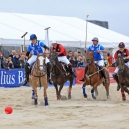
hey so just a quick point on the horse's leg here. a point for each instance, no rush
(32, 93)
(45, 95)
(92, 93)
(84, 90)
(70, 88)
(59, 95)
(35, 96)
(56, 87)
(96, 91)
(107, 90)
(126, 89)
(123, 94)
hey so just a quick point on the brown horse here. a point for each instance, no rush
(94, 77)
(60, 74)
(38, 77)
(123, 75)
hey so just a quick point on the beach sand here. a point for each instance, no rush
(76, 113)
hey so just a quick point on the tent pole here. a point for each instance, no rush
(86, 30)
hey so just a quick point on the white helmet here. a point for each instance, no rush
(54, 41)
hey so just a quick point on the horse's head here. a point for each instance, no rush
(120, 62)
(41, 62)
(53, 58)
(89, 57)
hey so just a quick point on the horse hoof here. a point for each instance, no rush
(85, 95)
(32, 97)
(123, 99)
(46, 101)
(69, 96)
(108, 97)
(93, 97)
(35, 101)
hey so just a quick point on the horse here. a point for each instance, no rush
(38, 77)
(123, 75)
(59, 75)
(94, 77)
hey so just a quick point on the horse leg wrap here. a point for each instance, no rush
(35, 101)
(123, 95)
(46, 101)
(32, 94)
(83, 90)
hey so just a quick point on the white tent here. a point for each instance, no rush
(69, 31)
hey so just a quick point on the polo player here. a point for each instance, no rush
(118, 53)
(56, 47)
(35, 47)
(98, 57)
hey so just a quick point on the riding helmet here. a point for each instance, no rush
(95, 38)
(33, 36)
(121, 45)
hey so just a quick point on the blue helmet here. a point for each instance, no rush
(33, 36)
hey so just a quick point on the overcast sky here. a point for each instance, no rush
(116, 12)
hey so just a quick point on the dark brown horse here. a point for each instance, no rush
(123, 75)
(60, 74)
(94, 77)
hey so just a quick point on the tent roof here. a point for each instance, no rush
(65, 29)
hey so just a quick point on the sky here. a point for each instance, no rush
(116, 12)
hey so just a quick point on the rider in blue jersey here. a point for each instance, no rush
(34, 48)
(98, 57)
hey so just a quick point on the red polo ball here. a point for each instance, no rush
(8, 110)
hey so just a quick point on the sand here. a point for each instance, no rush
(77, 113)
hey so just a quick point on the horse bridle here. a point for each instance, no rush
(38, 68)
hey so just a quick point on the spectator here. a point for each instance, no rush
(84, 61)
(22, 61)
(79, 53)
(75, 59)
(10, 62)
(70, 54)
(80, 62)
(71, 59)
(110, 59)
(19, 53)
(1, 60)
(105, 62)
(24, 53)
(16, 61)
(6, 65)
(12, 55)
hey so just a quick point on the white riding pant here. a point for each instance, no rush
(117, 69)
(33, 59)
(100, 62)
(63, 59)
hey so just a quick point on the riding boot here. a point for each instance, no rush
(49, 67)
(71, 71)
(117, 81)
(27, 70)
(86, 68)
(104, 74)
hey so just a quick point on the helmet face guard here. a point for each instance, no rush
(33, 36)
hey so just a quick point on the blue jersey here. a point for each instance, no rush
(38, 47)
(97, 56)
